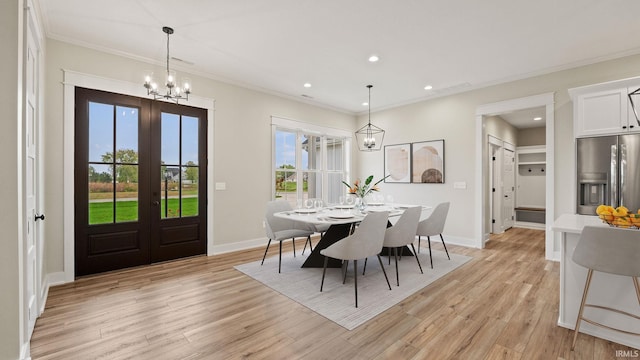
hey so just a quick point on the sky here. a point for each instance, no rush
(286, 150)
(101, 133)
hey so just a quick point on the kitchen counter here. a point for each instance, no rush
(606, 289)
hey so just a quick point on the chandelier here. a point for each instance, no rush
(369, 137)
(171, 91)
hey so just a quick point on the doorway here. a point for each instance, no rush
(545, 101)
(140, 181)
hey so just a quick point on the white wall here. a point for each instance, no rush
(499, 128)
(532, 136)
(11, 14)
(453, 119)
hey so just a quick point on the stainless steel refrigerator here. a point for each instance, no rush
(608, 172)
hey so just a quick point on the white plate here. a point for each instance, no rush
(306, 211)
(344, 206)
(375, 203)
(341, 216)
(377, 209)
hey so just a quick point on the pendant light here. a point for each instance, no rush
(369, 137)
(635, 94)
(172, 92)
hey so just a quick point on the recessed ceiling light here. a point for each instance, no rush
(307, 85)
(373, 58)
(365, 103)
(537, 118)
(428, 87)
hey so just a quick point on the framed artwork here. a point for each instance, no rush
(427, 162)
(397, 163)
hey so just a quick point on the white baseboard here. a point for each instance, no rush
(237, 246)
(56, 278)
(25, 351)
(454, 240)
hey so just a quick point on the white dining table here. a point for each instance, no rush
(341, 220)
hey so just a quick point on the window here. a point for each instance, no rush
(309, 162)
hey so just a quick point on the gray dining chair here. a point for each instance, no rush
(365, 241)
(432, 226)
(402, 234)
(280, 229)
(609, 250)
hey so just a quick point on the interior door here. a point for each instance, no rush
(496, 189)
(178, 181)
(508, 181)
(32, 186)
(140, 181)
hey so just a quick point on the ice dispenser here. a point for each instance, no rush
(592, 192)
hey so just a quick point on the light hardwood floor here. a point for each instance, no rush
(503, 304)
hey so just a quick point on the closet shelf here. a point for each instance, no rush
(532, 163)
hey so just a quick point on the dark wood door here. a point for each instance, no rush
(178, 181)
(120, 182)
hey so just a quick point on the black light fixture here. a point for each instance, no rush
(369, 137)
(172, 92)
(633, 106)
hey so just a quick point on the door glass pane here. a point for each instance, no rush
(170, 141)
(126, 164)
(189, 193)
(170, 192)
(189, 140)
(108, 172)
(127, 193)
(100, 194)
(127, 130)
(100, 131)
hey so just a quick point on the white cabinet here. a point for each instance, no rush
(603, 112)
(604, 109)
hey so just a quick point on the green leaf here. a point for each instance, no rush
(369, 179)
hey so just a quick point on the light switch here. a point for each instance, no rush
(221, 186)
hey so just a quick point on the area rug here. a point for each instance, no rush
(336, 302)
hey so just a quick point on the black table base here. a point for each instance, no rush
(335, 233)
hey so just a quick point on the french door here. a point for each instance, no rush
(140, 181)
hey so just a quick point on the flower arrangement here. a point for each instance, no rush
(362, 190)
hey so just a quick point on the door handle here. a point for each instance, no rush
(39, 217)
(156, 203)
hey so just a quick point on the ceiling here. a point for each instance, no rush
(524, 119)
(277, 46)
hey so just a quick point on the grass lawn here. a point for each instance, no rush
(102, 212)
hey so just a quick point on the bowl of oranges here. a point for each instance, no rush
(619, 217)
